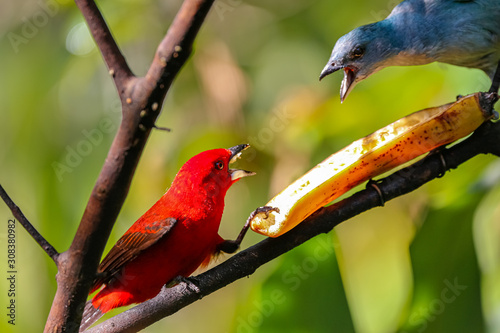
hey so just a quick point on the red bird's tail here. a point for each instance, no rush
(90, 316)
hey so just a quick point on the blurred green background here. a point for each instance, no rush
(427, 262)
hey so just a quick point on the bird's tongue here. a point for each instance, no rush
(347, 83)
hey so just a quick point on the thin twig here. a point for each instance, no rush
(18, 214)
(495, 82)
(177, 44)
(114, 59)
(483, 141)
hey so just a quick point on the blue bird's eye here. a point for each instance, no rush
(357, 52)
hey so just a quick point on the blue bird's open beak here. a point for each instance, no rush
(347, 83)
(329, 69)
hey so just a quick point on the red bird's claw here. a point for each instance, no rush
(266, 210)
(188, 281)
(191, 285)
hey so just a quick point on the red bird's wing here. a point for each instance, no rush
(128, 247)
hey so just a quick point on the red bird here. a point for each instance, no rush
(172, 239)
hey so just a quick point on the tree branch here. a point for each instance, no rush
(483, 141)
(114, 59)
(141, 102)
(18, 214)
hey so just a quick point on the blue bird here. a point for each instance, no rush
(417, 32)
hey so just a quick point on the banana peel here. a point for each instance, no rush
(377, 153)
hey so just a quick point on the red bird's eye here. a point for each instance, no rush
(219, 165)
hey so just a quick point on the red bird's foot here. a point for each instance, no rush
(190, 283)
(264, 209)
(231, 246)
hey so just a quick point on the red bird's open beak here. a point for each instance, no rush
(235, 155)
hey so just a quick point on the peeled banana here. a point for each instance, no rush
(370, 156)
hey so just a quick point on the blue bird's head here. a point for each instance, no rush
(360, 53)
